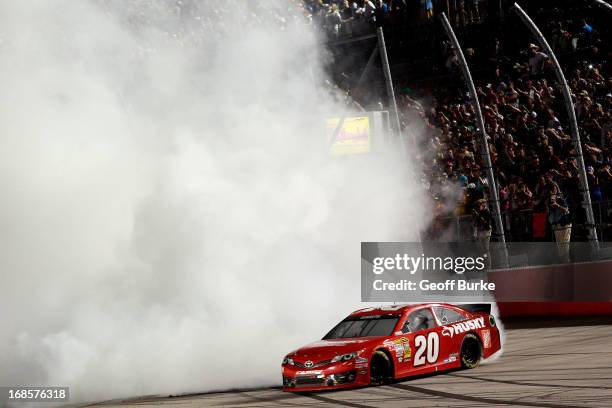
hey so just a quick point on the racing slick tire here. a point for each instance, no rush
(471, 351)
(380, 368)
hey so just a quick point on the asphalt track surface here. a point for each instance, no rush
(541, 367)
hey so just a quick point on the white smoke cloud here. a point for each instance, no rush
(170, 219)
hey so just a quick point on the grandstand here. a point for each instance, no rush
(530, 141)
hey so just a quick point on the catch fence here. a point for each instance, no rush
(528, 225)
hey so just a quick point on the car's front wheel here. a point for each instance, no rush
(380, 368)
(471, 351)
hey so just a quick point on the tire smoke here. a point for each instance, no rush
(171, 220)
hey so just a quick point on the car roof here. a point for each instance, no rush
(394, 309)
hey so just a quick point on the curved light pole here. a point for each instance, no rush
(569, 105)
(604, 4)
(484, 144)
(389, 83)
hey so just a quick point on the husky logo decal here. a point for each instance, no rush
(447, 331)
(461, 327)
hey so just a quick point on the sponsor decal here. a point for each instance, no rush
(451, 358)
(402, 349)
(390, 308)
(312, 373)
(486, 338)
(491, 321)
(361, 362)
(462, 327)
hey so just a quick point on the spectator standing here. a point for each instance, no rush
(333, 20)
(594, 187)
(367, 10)
(473, 11)
(537, 59)
(482, 224)
(560, 222)
(381, 12)
(427, 7)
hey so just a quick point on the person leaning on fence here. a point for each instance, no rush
(560, 221)
(482, 224)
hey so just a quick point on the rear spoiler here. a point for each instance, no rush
(476, 307)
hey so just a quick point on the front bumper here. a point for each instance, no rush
(335, 376)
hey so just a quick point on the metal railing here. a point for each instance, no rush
(519, 225)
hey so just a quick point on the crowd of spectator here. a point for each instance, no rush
(526, 122)
(534, 160)
(530, 141)
(346, 17)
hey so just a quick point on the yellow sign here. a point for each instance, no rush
(352, 138)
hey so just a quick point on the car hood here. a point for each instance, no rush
(325, 349)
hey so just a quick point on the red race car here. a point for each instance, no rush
(376, 345)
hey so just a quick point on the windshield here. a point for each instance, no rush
(363, 326)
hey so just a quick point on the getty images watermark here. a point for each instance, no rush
(472, 272)
(417, 272)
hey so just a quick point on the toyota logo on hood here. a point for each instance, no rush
(308, 364)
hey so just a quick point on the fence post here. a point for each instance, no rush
(389, 83)
(569, 105)
(484, 144)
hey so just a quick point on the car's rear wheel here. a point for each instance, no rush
(471, 351)
(380, 368)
